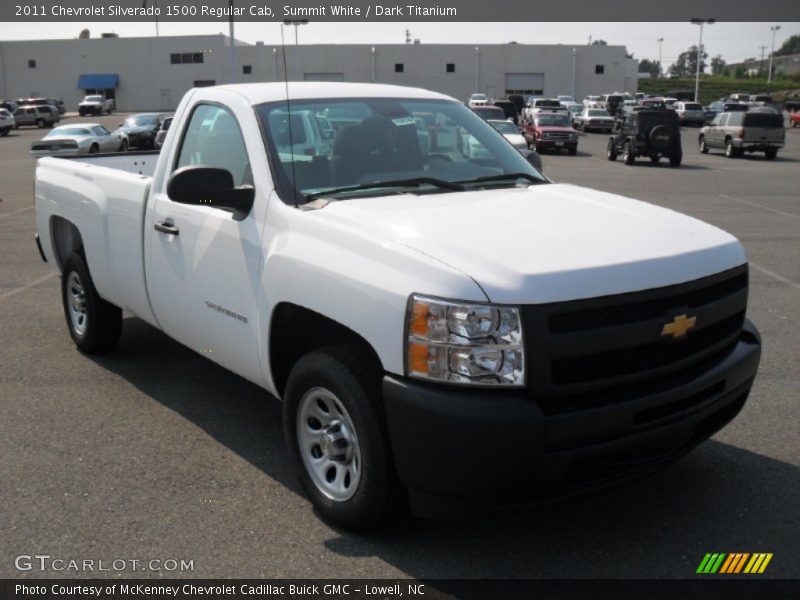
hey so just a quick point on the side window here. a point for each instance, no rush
(99, 131)
(723, 120)
(717, 119)
(214, 139)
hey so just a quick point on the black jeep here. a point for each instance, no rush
(653, 133)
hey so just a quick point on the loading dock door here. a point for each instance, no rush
(527, 84)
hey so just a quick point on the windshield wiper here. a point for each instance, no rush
(503, 177)
(413, 182)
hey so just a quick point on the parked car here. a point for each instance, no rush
(509, 108)
(161, 135)
(762, 99)
(565, 100)
(95, 104)
(594, 119)
(487, 112)
(613, 103)
(551, 131)
(592, 102)
(690, 113)
(655, 134)
(56, 103)
(740, 97)
(539, 104)
(794, 118)
(7, 122)
(142, 129)
(477, 100)
(80, 138)
(9, 105)
(511, 132)
(34, 116)
(574, 110)
(740, 132)
(519, 101)
(479, 325)
(653, 103)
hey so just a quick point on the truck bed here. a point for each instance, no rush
(104, 196)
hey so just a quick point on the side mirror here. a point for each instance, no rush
(209, 186)
(533, 158)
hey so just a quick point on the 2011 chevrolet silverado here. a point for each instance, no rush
(446, 331)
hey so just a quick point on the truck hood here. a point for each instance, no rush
(548, 242)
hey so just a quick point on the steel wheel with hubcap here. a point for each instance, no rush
(338, 439)
(328, 444)
(730, 151)
(94, 324)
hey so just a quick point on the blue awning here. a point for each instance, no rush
(99, 81)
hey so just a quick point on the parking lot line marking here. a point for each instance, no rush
(780, 278)
(16, 291)
(14, 212)
(772, 210)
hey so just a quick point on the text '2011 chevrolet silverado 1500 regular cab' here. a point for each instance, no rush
(444, 330)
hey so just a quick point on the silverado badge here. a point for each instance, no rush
(678, 327)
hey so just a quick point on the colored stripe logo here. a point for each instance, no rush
(734, 563)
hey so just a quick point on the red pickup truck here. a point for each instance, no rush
(551, 131)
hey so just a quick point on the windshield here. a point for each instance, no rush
(504, 126)
(59, 131)
(141, 120)
(553, 121)
(597, 112)
(479, 96)
(94, 99)
(424, 145)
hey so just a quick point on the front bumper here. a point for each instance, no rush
(556, 144)
(461, 450)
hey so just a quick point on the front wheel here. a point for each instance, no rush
(703, 145)
(572, 151)
(123, 147)
(611, 151)
(655, 159)
(771, 153)
(5, 131)
(338, 438)
(94, 324)
(40, 123)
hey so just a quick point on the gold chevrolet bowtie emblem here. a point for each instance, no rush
(678, 327)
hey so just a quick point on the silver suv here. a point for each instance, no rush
(740, 132)
(39, 116)
(690, 113)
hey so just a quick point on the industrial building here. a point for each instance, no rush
(152, 73)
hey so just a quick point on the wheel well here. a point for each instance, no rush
(66, 240)
(296, 331)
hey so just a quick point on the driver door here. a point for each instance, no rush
(204, 266)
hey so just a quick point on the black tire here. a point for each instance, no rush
(628, 155)
(103, 321)
(94, 149)
(655, 159)
(771, 153)
(611, 151)
(730, 151)
(40, 123)
(702, 144)
(5, 131)
(675, 160)
(346, 372)
(123, 147)
(572, 151)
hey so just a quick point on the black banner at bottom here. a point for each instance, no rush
(393, 589)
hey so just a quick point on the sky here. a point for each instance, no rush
(734, 41)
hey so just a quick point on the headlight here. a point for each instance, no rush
(464, 343)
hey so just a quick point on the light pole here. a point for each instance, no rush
(574, 61)
(773, 29)
(700, 22)
(232, 48)
(660, 70)
(296, 23)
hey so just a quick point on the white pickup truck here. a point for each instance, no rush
(446, 332)
(95, 104)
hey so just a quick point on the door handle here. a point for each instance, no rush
(166, 227)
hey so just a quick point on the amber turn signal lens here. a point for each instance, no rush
(418, 358)
(419, 319)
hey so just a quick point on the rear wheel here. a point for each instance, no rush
(338, 439)
(771, 153)
(94, 149)
(94, 324)
(5, 131)
(655, 159)
(675, 160)
(40, 123)
(627, 154)
(730, 151)
(123, 147)
(702, 144)
(572, 151)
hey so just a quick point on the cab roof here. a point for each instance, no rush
(257, 93)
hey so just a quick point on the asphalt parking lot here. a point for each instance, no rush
(156, 453)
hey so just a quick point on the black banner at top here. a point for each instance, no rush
(401, 11)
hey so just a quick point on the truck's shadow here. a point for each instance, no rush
(718, 499)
